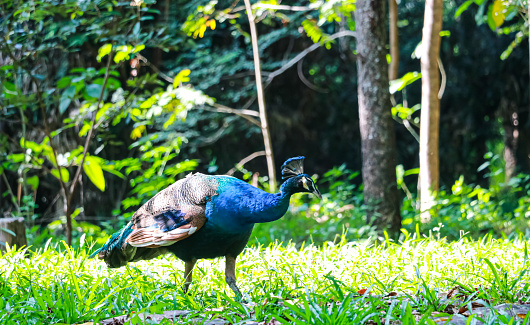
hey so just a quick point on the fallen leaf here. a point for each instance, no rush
(463, 309)
(453, 292)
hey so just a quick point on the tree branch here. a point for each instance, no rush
(281, 7)
(305, 52)
(393, 68)
(226, 109)
(261, 99)
(155, 69)
(444, 78)
(406, 123)
(244, 113)
(10, 190)
(242, 74)
(307, 82)
(244, 161)
(92, 128)
(223, 109)
(274, 7)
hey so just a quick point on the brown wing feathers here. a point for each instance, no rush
(173, 214)
(170, 227)
(152, 238)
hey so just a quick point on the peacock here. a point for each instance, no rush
(203, 216)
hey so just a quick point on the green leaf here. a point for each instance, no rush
(84, 130)
(94, 172)
(181, 77)
(113, 83)
(10, 88)
(490, 18)
(138, 48)
(33, 181)
(64, 173)
(497, 12)
(35, 147)
(137, 132)
(136, 29)
(65, 102)
(8, 231)
(104, 50)
(400, 171)
(413, 171)
(407, 79)
(110, 169)
(63, 82)
(69, 92)
(93, 90)
(16, 157)
(463, 7)
(120, 56)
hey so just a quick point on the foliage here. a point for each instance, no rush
(510, 13)
(73, 101)
(500, 209)
(343, 283)
(155, 121)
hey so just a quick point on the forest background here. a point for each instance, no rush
(105, 103)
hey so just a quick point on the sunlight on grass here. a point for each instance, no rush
(58, 284)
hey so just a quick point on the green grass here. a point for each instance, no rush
(315, 285)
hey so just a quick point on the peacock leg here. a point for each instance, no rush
(188, 273)
(230, 275)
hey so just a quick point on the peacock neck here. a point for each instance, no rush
(275, 205)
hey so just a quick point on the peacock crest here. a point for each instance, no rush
(292, 167)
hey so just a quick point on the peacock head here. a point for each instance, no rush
(296, 180)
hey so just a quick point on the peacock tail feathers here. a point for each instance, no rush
(115, 252)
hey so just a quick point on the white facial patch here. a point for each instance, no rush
(304, 183)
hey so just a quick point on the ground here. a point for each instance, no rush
(413, 281)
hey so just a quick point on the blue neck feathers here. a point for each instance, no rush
(239, 205)
(274, 206)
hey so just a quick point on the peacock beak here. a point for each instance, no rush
(316, 192)
(310, 186)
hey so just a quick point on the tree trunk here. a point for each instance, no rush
(393, 69)
(377, 130)
(510, 123)
(430, 107)
(261, 99)
(16, 226)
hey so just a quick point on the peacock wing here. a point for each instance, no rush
(174, 213)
